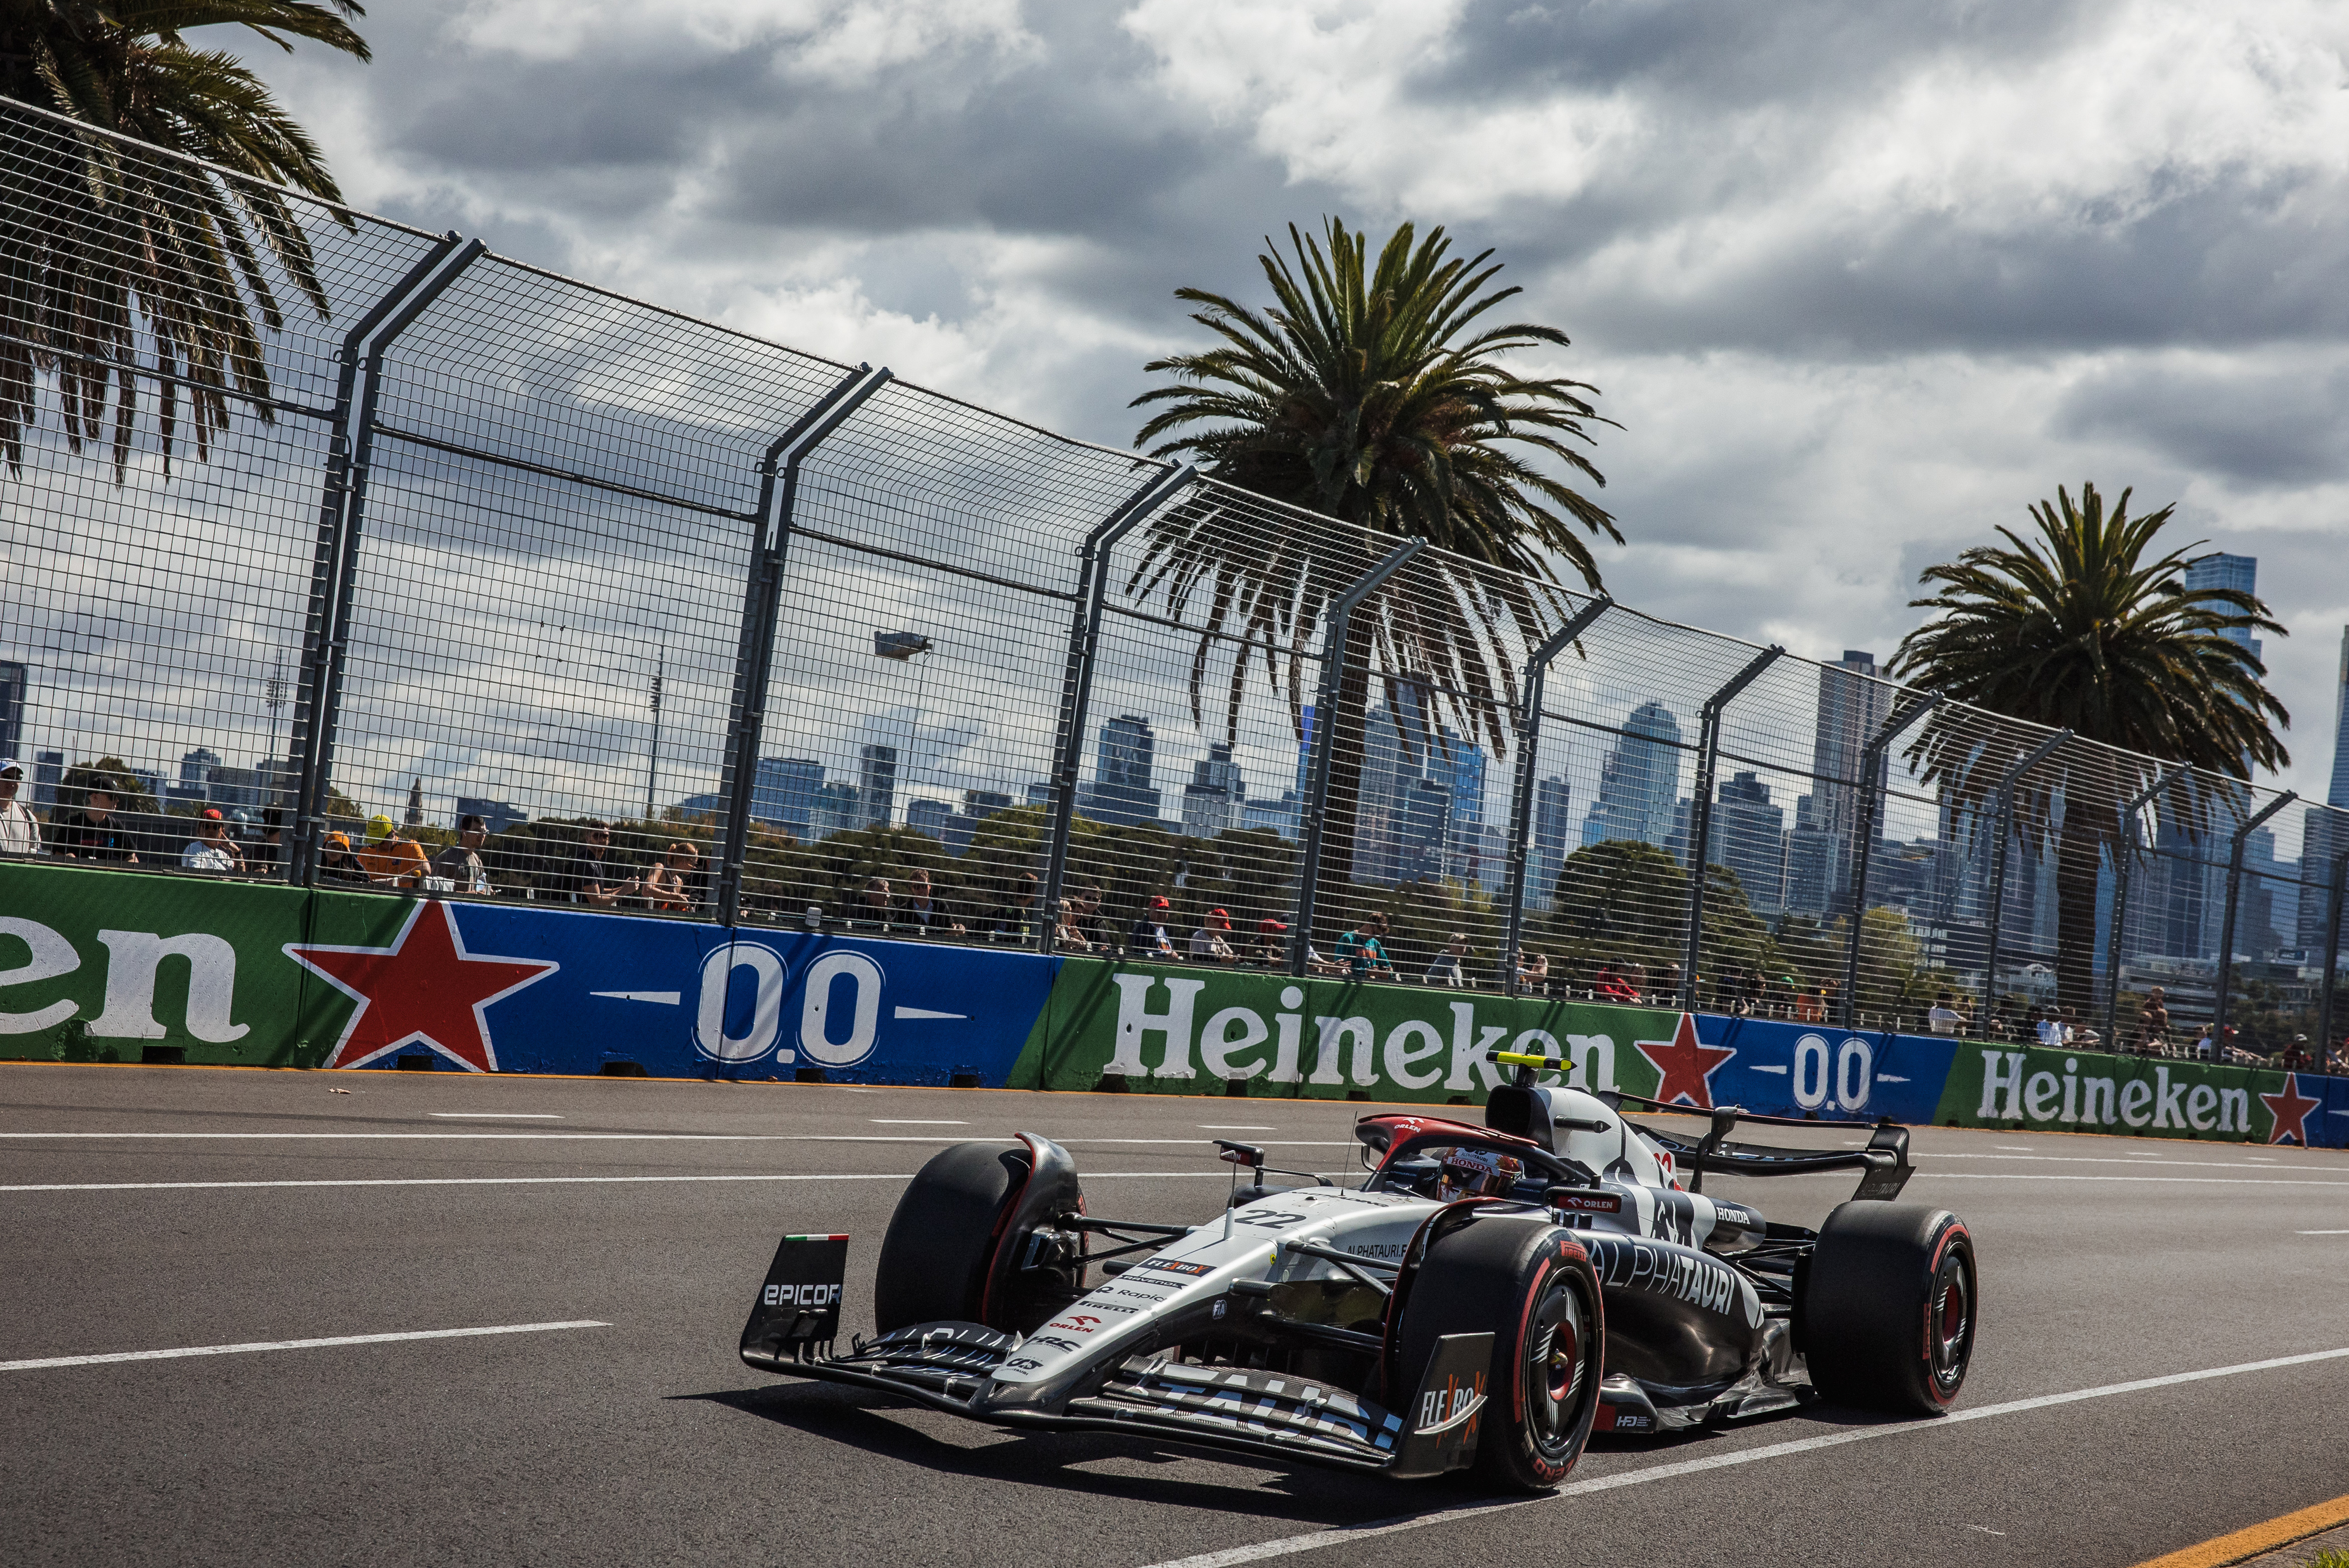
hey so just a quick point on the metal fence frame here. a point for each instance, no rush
(1408, 577)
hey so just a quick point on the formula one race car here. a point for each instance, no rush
(1488, 1297)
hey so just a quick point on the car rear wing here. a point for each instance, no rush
(1884, 1163)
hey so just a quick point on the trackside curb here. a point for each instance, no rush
(2257, 1539)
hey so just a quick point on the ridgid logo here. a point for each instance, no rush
(1180, 1027)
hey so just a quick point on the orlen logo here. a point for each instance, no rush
(1590, 1202)
(801, 1295)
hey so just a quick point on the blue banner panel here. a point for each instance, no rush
(684, 1000)
(1835, 1074)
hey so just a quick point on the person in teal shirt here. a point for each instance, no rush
(1364, 955)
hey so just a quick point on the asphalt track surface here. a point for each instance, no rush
(198, 1209)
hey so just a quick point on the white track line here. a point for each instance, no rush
(519, 1181)
(292, 1345)
(1348, 1535)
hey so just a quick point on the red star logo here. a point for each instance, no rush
(425, 986)
(2290, 1111)
(1687, 1065)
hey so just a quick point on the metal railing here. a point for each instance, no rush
(472, 540)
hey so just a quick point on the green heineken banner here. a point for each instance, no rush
(107, 964)
(1191, 1031)
(2077, 1091)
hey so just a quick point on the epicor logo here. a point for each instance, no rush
(801, 1295)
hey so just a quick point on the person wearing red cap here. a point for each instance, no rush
(212, 850)
(1210, 943)
(1149, 938)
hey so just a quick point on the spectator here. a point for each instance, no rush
(920, 903)
(1943, 1019)
(1362, 953)
(2052, 1031)
(1811, 1006)
(1149, 938)
(1088, 916)
(2294, 1057)
(2153, 1022)
(1210, 943)
(588, 879)
(393, 860)
(459, 863)
(1271, 943)
(337, 864)
(669, 884)
(1017, 919)
(873, 905)
(2203, 1046)
(1445, 968)
(1065, 935)
(268, 857)
(19, 833)
(212, 850)
(92, 833)
(1533, 974)
(1614, 985)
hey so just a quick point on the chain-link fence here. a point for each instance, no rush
(421, 567)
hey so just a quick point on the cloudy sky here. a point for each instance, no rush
(1858, 281)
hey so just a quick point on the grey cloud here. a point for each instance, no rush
(2260, 430)
(1725, 55)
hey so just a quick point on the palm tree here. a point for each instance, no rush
(2086, 628)
(101, 252)
(1374, 395)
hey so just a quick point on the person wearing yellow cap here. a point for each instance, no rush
(392, 861)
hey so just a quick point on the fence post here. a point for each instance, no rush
(1700, 808)
(1077, 679)
(2003, 813)
(779, 482)
(326, 640)
(2332, 947)
(1340, 615)
(2120, 900)
(2227, 924)
(1871, 757)
(1521, 791)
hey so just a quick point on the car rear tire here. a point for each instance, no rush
(1530, 1285)
(940, 1243)
(1891, 1304)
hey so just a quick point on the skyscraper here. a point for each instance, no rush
(2321, 836)
(1640, 782)
(2241, 573)
(1122, 795)
(1853, 706)
(15, 681)
(876, 784)
(1553, 831)
(1748, 836)
(1212, 800)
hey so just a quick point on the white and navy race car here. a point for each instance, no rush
(1487, 1297)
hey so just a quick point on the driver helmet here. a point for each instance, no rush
(1477, 1173)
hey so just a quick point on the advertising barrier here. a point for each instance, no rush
(121, 966)
(125, 966)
